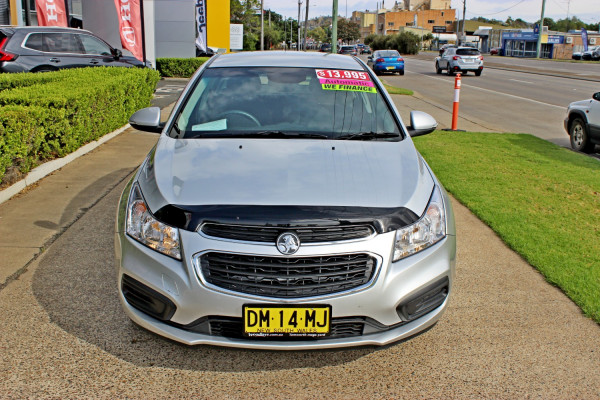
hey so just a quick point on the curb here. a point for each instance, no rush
(49, 167)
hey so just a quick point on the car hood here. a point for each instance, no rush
(284, 172)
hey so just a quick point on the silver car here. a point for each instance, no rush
(460, 59)
(284, 207)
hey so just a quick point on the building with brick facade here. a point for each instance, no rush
(386, 22)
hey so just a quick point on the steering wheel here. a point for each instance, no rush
(242, 113)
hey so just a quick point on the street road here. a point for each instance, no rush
(501, 100)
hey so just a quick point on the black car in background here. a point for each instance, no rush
(325, 48)
(41, 48)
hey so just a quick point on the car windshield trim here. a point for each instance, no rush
(258, 135)
(368, 136)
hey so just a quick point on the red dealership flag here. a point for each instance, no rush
(130, 26)
(51, 13)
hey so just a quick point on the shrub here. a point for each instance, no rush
(49, 115)
(179, 67)
(404, 42)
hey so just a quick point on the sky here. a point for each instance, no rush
(529, 10)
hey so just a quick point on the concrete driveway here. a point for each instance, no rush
(506, 334)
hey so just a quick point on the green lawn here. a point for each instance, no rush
(541, 199)
(397, 90)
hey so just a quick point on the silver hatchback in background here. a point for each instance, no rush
(459, 59)
(284, 207)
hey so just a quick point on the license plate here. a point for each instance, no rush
(390, 67)
(468, 60)
(286, 320)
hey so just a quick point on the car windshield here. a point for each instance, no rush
(285, 103)
(467, 52)
(388, 53)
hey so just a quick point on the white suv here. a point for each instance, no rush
(460, 59)
(583, 123)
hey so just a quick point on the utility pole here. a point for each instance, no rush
(262, 26)
(298, 41)
(540, 31)
(306, 25)
(463, 37)
(334, 27)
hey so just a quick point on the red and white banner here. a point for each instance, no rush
(130, 26)
(51, 13)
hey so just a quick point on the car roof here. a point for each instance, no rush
(285, 59)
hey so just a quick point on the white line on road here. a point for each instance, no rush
(516, 80)
(451, 82)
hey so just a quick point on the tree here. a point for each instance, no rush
(244, 12)
(318, 34)
(348, 31)
(272, 37)
(404, 42)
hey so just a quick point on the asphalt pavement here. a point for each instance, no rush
(507, 333)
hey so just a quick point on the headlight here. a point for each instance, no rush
(144, 228)
(430, 229)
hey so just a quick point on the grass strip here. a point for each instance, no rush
(397, 90)
(541, 199)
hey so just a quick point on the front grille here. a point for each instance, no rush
(269, 234)
(282, 277)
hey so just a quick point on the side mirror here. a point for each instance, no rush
(147, 119)
(117, 53)
(370, 57)
(596, 96)
(421, 124)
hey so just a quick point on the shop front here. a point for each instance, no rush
(524, 44)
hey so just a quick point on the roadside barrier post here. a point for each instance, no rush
(456, 101)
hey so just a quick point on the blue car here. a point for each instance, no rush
(386, 61)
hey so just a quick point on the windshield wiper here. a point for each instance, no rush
(367, 136)
(286, 135)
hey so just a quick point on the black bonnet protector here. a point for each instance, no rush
(191, 218)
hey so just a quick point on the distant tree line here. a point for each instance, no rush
(277, 29)
(562, 25)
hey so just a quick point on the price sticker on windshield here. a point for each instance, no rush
(354, 81)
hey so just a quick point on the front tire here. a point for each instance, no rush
(438, 70)
(580, 140)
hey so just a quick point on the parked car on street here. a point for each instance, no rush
(351, 49)
(593, 53)
(41, 49)
(576, 55)
(494, 51)
(582, 123)
(386, 61)
(262, 220)
(366, 50)
(325, 48)
(460, 59)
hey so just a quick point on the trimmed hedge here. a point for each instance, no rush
(179, 67)
(49, 115)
